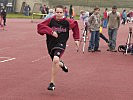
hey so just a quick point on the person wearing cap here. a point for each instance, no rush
(113, 26)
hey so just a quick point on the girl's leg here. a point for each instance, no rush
(55, 67)
(56, 64)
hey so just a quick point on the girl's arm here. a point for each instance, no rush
(43, 28)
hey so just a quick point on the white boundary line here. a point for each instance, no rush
(7, 60)
(4, 48)
(4, 57)
(43, 57)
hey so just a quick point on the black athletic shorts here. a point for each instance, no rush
(56, 52)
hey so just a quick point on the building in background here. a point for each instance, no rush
(9, 4)
(18, 5)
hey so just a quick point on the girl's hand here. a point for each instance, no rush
(55, 34)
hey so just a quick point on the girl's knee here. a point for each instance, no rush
(56, 59)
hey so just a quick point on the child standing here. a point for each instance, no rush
(57, 33)
(94, 25)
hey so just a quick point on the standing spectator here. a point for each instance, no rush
(47, 10)
(105, 18)
(43, 9)
(94, 26)
(50, 14)
(65, 12)
(84, 16)
(3, 14)
(113, 26)
(124, 17)
(71, 12)
(27, 10)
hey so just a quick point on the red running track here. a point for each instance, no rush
(25, 68)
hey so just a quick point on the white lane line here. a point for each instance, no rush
(4, 57)
(40, 58)
(7, 60)
(4, 48)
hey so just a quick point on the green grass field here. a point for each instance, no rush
(18, 15)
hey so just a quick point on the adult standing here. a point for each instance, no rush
(113, 26)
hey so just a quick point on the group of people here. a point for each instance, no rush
(126, 16)
(50, 12)
(96, 23)
(57, 26)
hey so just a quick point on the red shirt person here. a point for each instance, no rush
(57, 33)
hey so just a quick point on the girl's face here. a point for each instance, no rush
(59, 13)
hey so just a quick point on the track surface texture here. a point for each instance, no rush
(25, 67)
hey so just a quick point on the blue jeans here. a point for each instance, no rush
(112, 38)
(27, 13)
(94, 40)
(105, 21)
